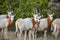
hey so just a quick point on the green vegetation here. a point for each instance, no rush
(24, 8)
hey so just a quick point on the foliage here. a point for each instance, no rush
(24, 8)
(57, 13)
(5, 4)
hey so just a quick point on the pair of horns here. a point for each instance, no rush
(50, 13)
(8, 8)
(36, 11)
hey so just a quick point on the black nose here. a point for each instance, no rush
(39, 18)
(12, 13)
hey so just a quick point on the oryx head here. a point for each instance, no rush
(36, 17)
(11, 14)
(50, 16)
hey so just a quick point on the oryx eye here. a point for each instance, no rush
(36, 17)
(39, 18)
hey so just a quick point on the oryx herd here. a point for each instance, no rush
(33, 24)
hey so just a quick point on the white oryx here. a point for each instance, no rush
(6, 21)
(56, 27)
(3, 16)
(45, 24)
(27, 24)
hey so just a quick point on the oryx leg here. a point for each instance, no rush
(35, 35)
(56, 34)
(45, 35)
(54, 29)
(20, 36)
(25, 35)
(2, 32)
(32, 34)
(6, 33)
(29, 34)
(16, 31)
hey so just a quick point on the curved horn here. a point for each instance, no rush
(53, 13)
(32, 13)
(41, 16)
(10, 7)
(35, 10)
(7, 7)
(38, 14)
(47, 13)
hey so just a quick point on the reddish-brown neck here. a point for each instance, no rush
(49, 21)
(9, 21)
(33, 21)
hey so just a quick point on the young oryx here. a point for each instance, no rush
(26, 24)
(45, 23)
(56, 27)
(6, 22)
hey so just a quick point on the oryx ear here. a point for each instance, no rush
(12, 11)
(32, 13)
(41, 16)
(7, 7)
(7, 10)
(53, 13)
(47, 14)
(38, 14)
(15, 15)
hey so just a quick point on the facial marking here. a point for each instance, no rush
(36, 17)
(51, 16)
(9, 13)
(12, 17)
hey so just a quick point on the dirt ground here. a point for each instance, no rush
(12, 36)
